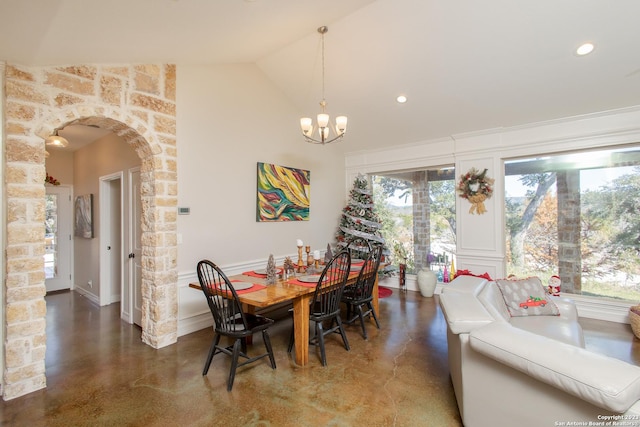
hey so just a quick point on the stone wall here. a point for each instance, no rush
(136, 102)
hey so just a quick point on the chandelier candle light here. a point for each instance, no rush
(323, 124)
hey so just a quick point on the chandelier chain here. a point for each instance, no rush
(322, 42)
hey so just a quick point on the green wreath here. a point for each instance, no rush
(476, 187)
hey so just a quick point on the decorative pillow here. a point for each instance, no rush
(527, 297)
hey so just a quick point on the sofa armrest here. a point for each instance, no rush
(465, 284)
(463, 312)
(600, 380)
(567, 307)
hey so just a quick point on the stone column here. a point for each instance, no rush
(569, 257)
(421, 219)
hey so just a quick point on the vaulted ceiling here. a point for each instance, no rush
(463, 65)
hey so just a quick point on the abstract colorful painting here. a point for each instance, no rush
(283, 193)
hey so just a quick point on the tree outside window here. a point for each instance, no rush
(418, 212)
(576, 216)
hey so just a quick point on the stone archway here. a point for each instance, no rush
(159, 274)
(136, 103)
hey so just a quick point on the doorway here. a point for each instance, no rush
(120, 246)
(58, 241)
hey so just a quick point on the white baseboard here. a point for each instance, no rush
(195, 323)
(93, 298)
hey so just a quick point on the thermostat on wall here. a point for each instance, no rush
(184, 211)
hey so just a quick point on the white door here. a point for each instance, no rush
(112, 275)
(135, 251)
(57, 254)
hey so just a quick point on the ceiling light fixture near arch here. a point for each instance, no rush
(55, 140)
(401, 99)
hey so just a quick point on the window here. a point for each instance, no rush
(417, 210)
(576, 216)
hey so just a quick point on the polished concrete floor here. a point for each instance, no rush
(100, 374)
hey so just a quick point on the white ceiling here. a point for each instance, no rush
(464, 65)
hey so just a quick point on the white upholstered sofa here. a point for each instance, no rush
(530, 371)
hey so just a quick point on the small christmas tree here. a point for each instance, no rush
(271, 270)
(358, 217)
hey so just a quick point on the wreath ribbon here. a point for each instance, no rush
(477, 204)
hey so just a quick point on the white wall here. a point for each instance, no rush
(229, 118)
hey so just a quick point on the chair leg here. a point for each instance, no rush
(291, 340)
(234, 363)
(267, 344)
(361, 316)
(344, 335)
(212, 351)
(320, 337)
(373, 313)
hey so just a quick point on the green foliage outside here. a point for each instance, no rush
(398, 220)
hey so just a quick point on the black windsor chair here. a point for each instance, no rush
(359, 297)
(230, 321)
(325, 303)
(359, 248)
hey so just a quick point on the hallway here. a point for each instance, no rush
(99, 373)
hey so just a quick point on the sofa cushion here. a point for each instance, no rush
(526, 297)
(557, 328)
(491, 298)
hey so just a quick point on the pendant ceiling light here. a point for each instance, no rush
(323, 124)
(55, 140)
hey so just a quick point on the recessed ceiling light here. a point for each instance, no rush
(401, 99)
(584, 49)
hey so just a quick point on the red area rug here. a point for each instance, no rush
(384, 292)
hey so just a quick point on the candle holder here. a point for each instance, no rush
(316, 264)
(308, 251)
(300, 263)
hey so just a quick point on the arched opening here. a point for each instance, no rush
(159, 277)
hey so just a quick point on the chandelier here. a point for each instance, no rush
(323, 124)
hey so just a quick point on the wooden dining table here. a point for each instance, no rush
(285, 291)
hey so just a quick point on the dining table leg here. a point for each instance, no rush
(301, 328)
(375, 300)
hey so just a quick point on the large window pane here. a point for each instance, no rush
(418, 212)
(576, 216)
